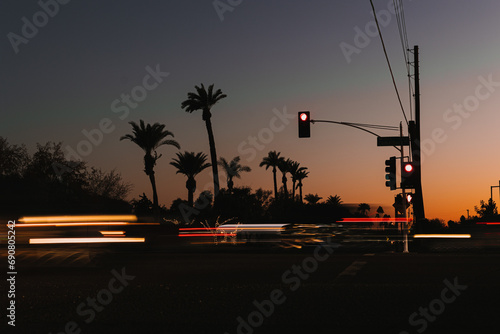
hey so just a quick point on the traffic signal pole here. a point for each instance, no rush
(414, 130)
(405, 223)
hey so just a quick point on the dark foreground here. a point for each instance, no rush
(317, 290)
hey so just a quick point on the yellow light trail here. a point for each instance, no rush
(78, 224)
(457, 236)
(82, 240)
(67, 219)
(118, 233)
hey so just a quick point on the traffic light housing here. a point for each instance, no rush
(400, 203)
(304, 124)
(408, 175)
(390, 169)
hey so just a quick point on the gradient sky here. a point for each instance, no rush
(265, 55)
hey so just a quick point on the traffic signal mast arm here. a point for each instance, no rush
(362, 127)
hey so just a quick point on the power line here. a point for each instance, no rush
(388, 62)
(401, 22)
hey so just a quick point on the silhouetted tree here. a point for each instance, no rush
(294, 170)
(284, 166)
(48, 183)
(429, 225)
(299, 177)
(243, 205)
(363, 209)
(312, 199)
(143, 206)
(49, 166)
(272, 160)
(380, 211)
(13, 159)
(149, 138)
(204, 200)
(190, 165)
(486, 210)
(107, 184)
(334, 200)
(204, 100)
(233, 169)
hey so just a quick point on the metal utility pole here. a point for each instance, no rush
(405, 224)
(491, 190)
(414, 130)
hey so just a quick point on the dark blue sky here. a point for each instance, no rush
(265, 55)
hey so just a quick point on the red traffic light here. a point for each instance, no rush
(408, 168)
(304, 124)
(409, 177)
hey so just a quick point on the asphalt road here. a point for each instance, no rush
(319, 290)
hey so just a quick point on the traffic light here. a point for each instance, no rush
(408, 175)
(390, 169)
(409, 199)
(399, 204)
(304, 124)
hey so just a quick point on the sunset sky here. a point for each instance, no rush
(270, 58)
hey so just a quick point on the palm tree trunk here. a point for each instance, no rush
(285, 190)
(191, 187)
(190, 197)
(300, 192)
(275, 183)
(155, 194)
(293, 190)
(213, 155)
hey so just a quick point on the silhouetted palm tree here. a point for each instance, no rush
(233, 169)
(334, 200)
(312, 199)
(299, 177)
(190, 164)
(272, 160)
(363, 209)
(294, 170)
(149, 138)
(380, 211)
(204, 100)
(284, 166)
